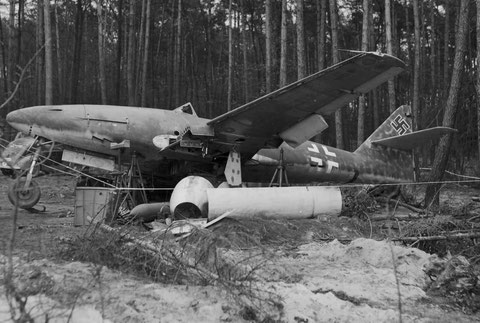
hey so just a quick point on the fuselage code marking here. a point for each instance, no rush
(318, 162)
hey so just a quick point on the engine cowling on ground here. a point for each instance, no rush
(189, 198)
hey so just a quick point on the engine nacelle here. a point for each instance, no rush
(189, 198)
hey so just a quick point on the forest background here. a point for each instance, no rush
(219, 55)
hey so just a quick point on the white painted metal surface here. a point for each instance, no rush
(304, 130)
(190, 191)
(107, 164)
(275, 202)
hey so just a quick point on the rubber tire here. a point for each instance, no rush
(25, 199)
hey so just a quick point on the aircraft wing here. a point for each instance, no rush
(414, 139)
(295, 112)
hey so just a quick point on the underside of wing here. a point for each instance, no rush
(294, 113)
(414, 139)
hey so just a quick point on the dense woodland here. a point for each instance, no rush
(221, 54)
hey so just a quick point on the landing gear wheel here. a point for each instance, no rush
(24, 198)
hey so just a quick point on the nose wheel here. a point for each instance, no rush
(24, 195)
(24, 192)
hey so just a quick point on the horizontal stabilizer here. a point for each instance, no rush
(414, 139)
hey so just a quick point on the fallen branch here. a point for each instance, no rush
(408, 217)
(440, 237)
(394, 201)
(420, 238)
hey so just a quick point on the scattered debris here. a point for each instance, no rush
(396, 202)
(455, 278)
(149, 212)
(451, 274)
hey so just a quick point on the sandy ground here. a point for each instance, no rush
(364, 281)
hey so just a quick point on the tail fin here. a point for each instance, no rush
(396, 133)
(391, 146)
(399, 123)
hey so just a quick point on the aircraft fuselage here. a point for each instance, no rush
(95, 128)
(312, 162)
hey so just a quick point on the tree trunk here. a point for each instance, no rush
(441, 153)
(376, 109)
(408, 38)
(446, 46)
(230, 56)
(101, 53)
(170, 59)
(48, 54)
(209, 65)
(21, 17)
(388, 32)
(375, 93)
(145, 54)
(433, 73)
(59, 57)
(245, 54)
(361, 99)
(283, 46)
(335, 59)
(4, 60)
(321, 20)
(11, 45)
(176, 64)
(268, 45)
(84, 93)
(301, 65)
(416, 67)
(478, 77)
(139, 56)
(118, 62)
(39, 60)
(416, 83)
(77, 51)
(131, 54)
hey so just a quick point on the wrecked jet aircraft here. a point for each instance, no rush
(248, 143)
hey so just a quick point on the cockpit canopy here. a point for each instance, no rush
(186, 108)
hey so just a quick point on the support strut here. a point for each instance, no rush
(280, 173)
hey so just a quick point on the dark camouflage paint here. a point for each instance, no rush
(368, 164)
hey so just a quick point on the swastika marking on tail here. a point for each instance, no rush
(400, 125)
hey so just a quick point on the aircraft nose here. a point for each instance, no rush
(18, 120)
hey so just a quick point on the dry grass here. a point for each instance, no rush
(218, 258)
(357, 201)
(443, 225)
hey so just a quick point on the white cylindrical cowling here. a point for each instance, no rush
(189, 198)
(275, 202)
